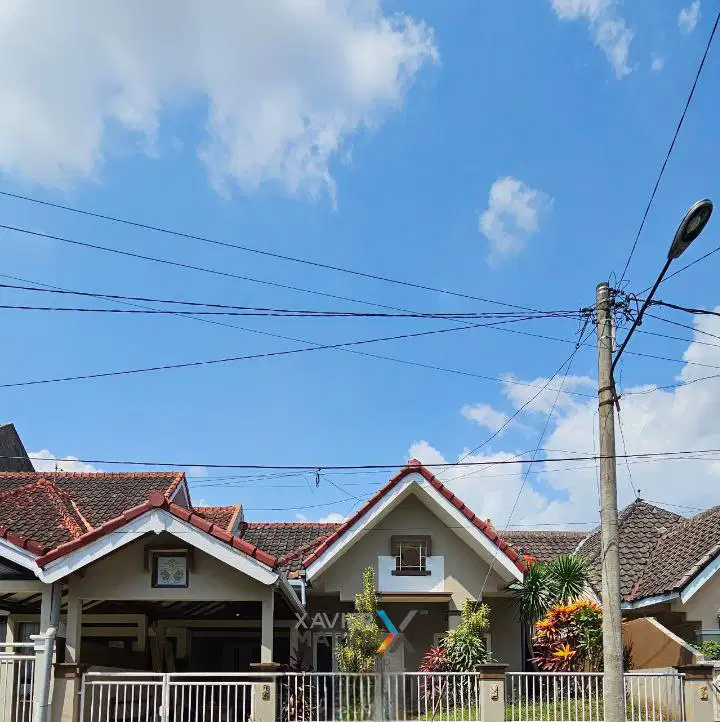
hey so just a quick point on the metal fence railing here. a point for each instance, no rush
(578, 697)
(17, 674)
(395, 697)
(141, 697)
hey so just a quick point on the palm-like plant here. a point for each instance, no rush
(559, 581)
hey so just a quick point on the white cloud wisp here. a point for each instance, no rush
(608, 30)
(282, 85)
(513, 215)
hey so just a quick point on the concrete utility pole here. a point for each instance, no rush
(614, 690)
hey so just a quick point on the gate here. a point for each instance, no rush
(17, 674)
(145, 697)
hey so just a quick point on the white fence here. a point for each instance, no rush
(139, 697)
(337, 697)
(17, 673)
(325, 697)
(578, 697)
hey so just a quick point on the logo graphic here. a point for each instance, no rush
(392, 629)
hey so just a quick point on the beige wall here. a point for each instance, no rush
(465, 571)
(703, 605)
(654, 647)
(122, 576)
(506, 633)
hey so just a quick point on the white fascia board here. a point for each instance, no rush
(650, 601)
(705, 576)
(357, 530)
(290, 594)
(19, 556)
(498, 555)
(157, 521)
(414, 482)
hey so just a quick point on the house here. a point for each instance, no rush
(668, 574)
(132, 576)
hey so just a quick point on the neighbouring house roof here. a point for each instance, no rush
(544, 545)
(288, 540)
(680, 555)
(641, 527)
(40, 511)
(13, 456)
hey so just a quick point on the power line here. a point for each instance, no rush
(357, 352)
(200, 304)
(189, 266)
(685, 309)
(672, 146)
(287, 313)
(269, 254)
(312, 468)
(247, 357)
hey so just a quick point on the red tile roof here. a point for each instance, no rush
(158, 500)
(224, 516)
(414, 466)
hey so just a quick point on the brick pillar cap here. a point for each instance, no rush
(492, 669)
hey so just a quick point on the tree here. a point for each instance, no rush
(359, 652)
(559, 581)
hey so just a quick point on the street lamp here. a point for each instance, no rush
(614, 690)
(689, 229)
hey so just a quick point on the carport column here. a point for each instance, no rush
(492, 691)
(267, 631)
(701, 694)
(68, 676)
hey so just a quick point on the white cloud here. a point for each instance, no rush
(689, 18)
(284, 84)
(45, 460)
(608, 30)
(485, 415)
(545, 397)
(683, 418)
(196, 471)
(658, 63)
(333, 517)
(512, 216)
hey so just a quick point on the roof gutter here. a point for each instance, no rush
(651, 601)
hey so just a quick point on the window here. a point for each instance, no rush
(169, 570)
(411, 554)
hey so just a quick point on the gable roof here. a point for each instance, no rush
(157, 500)
(680, 555)
(415, 467)
(641, 525)
(41, 511)
(544, 545)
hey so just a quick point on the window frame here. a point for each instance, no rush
(422, 541)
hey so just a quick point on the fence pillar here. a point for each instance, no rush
(66, 693)
(701, 693)
(265, 693)
(492, 692)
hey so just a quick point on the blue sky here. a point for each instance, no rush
(371, 137)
